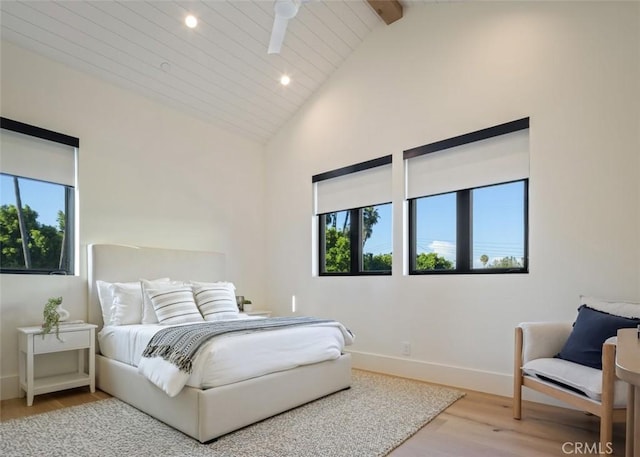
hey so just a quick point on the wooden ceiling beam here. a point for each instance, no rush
(389, 10)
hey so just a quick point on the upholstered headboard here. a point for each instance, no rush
(120, 263)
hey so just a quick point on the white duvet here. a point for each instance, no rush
(226, 358)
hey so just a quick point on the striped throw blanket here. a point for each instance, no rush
(179, 345)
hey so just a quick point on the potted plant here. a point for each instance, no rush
(247, 305)
(52, 316)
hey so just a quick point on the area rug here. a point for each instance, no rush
(376, 415)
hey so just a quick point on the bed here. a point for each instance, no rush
(203, 413)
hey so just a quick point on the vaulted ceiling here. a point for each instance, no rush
(219, 71)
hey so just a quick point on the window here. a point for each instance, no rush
(37, 200)
(435, 229)
(499, 217)
(376, 238)
(354, 219)
(362, 247)
(468, 202)
(336, 245)
(481, 230)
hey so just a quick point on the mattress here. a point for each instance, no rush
(233, 357)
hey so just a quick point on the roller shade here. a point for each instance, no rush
(493, 160)
(31, 157)
(357, 189)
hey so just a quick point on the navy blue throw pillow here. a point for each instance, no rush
(590, 331)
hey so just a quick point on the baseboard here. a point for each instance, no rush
(9, 387)
(448, 375)
(483, 381)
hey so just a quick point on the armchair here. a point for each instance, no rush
(589, 389)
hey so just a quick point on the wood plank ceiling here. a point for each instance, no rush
(219, 71)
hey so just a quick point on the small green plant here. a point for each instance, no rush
(51, 316)
(246, 302)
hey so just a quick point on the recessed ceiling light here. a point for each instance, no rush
(191, 21)
(285, 80)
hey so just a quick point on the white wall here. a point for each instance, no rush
(148, 176)
(444, 70)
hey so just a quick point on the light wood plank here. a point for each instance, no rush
(17, 407)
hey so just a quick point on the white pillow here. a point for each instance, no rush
(148, 313)
(127, 305)
(216, 301)
(174, 305)
(107, 298)
(625, 309)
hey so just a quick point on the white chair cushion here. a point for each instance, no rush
(543, 339)
(582, 378)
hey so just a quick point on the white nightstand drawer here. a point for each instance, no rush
(70, 341)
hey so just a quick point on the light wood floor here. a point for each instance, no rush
(478, 425)
(481, 425)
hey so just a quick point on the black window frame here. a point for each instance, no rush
(464, 234)
(355, 245)
(69, 210)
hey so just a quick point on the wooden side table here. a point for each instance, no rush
(73, 337)
(628, 369)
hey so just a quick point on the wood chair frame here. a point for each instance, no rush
(603, 409)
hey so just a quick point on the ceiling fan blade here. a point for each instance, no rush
(277, 34)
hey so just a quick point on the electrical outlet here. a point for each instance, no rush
(406, 347)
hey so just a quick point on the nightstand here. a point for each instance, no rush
(258, 312)
(73, 337)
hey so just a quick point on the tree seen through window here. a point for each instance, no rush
(32, 225)
(373, 251)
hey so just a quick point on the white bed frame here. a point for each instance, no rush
(203, 414)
